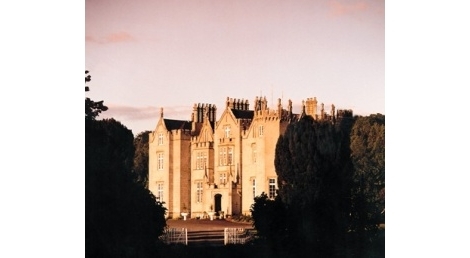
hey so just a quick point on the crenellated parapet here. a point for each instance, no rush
(267, 114)
(262, 112)
(197, 144)
(180, 134)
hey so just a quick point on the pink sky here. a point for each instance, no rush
(143, 55)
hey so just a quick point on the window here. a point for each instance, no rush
(227, 131)
(198, 160)
(160, 139)
(253, 153)
(160, 161)
(224, 155)
(261, 130)
(220, 156)
(203, 160)
(254, 187)
(272, 188)
(199, 192)
(223, 178)
(230, 155)
(160, 192)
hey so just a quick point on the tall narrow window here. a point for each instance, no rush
(160, 161)
(160, 192)
(253, 152)
(254, 187)
(160, 139)
(203, 160)
(227, 131)
(223, 178)
(230, 155)
(198, 160)
(224, 159)
(199, 192)
(272, 188)
(261, 130)
(221, 162)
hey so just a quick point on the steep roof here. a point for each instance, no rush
(172, 124)
(243, 114)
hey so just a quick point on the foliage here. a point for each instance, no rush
(269, 218)
(141, 158)
(314, 171)
(92, 108)
(122, 218)
(368, 157)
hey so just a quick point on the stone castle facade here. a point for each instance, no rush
(220, 165)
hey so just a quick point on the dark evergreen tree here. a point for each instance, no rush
(122, 218)
(269, 219)
(368, 193)
(314, 172)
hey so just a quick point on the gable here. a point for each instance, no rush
(206, 134)
(158, 128)
(226, 118)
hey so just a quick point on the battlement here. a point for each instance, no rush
(240, 107)
(267, 114)
(180, 134)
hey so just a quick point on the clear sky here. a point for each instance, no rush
(143, 55)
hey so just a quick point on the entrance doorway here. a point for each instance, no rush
(218, 202)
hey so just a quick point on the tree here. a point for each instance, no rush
(122, 218)
(368, 157)
(92, 108)
(269, 218)
(314, 171)
(141, 158)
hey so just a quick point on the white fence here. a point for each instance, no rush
(175, 236)
(236, 236)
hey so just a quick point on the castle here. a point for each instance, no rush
(205, 164)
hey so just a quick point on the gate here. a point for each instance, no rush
(175, 236)
(236, 236)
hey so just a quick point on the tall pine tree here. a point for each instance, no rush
(314, 171)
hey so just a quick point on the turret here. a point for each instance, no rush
(311, 107)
